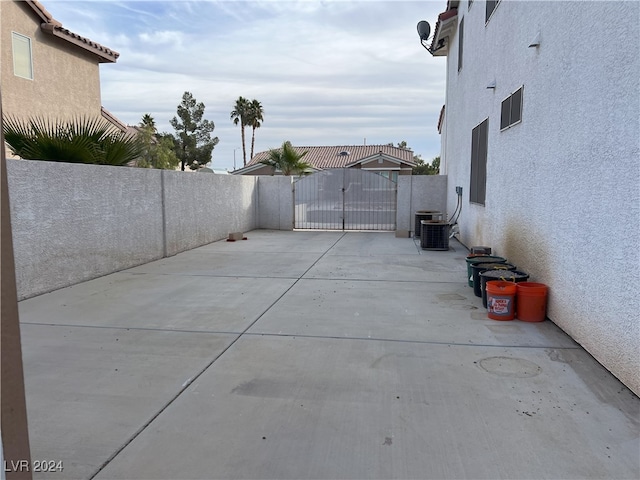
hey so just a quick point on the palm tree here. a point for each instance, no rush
(288, 161)
(148, 122)
(256, 115)
(240, 114)
(79, 140)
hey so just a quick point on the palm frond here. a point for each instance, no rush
(79, 140)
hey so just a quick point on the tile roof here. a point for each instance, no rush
(332, 157)
(446, 21)
(53, 27)
(114, 120)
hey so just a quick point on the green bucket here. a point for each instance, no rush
(481, 259)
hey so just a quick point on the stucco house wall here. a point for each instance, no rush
(563, 186)
(66, 78)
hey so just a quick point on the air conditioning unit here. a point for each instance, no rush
(425, 215)
(434, 235)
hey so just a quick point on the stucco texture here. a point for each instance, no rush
(562, 189)
(66, 79)
(76, 222)
(202, 208)
(420, 192)
(275, 195)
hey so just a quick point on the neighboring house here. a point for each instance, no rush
(47, 70)
(386, 160)
(541, 130)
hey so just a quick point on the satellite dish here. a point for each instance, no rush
(424, 30)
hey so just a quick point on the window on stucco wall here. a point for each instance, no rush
(393, 176)
(511, 110)
(22, 64)
(479, 140)
(491, 6)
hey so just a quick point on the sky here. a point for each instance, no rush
(327, 72)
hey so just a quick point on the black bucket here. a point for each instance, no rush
(473, 259)
(478, 268)
(506, 276)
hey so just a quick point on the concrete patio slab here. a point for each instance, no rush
(402, 311)
(410, 268)
(225, 264)
(374, 244)
(155, 301)
(271, 241)
(91, 389)
(291, 408)
(261, 359)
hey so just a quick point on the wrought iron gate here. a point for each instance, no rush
(345, 199)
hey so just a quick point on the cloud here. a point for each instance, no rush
(165, 37)
(326, 72)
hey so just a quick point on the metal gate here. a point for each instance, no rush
(345, 199)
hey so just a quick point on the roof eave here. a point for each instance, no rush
(445, 28)
(385, 156)
(115, 121)
(42, 12)
(105, 55)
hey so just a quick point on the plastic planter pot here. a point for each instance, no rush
(473, 259)
(478, 268)
(506, 276)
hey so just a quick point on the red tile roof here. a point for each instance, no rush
(332, 157)
(438, 41)
(53, 27)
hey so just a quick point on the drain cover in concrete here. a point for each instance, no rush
(510, 367)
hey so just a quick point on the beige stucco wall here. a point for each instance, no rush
(261, 171)
(66, 78)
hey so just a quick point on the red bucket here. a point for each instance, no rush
(531, 300)
(501, 299)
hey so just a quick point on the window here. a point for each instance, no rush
(393, 176)
(491, 6)
(511, 110)
(460, 44)
(22, 66)
(479, 140)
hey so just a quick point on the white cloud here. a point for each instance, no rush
(165, 37)
(326, 72)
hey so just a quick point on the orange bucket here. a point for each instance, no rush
(501, 299)
(531, 300)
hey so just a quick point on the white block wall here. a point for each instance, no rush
(420, 192)
(275, 197)
(563, 187)
(201, 208)
(74, 222)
